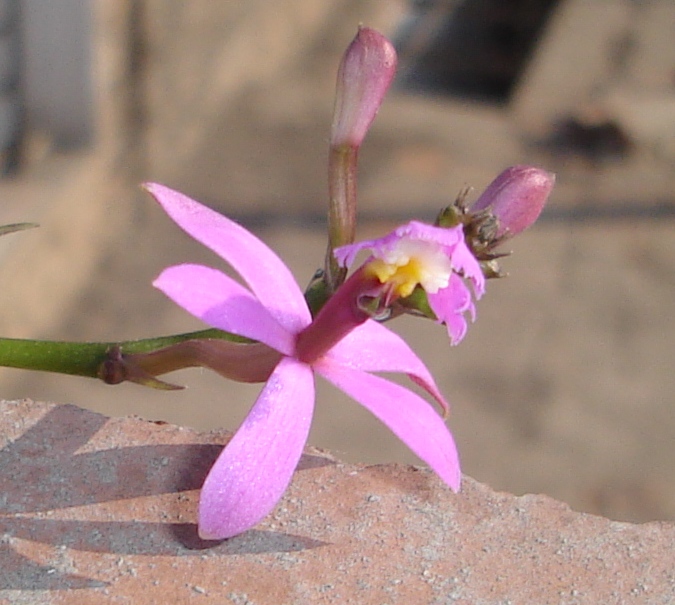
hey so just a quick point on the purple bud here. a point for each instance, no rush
(366, 71)
(516, 198)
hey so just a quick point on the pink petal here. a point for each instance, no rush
(373, 348)
(465, 262)
(457, 328)
(256, 466)
(414, 230)
(449, 305)
(408, 416)
(267, 276)
(223, 303)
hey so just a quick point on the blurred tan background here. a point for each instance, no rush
(565, 384)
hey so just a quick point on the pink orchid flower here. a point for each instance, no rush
(434, 258)
(341, 345)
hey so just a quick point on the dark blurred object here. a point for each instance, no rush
(597, 141)
(11, 105)
(46, 81)
(57, 70)
(470, 48)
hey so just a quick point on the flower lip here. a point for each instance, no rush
(414, 231)
(410, 263)
(435, 258)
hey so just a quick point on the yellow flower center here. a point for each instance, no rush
(410, 263)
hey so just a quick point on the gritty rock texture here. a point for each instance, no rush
(96, 510)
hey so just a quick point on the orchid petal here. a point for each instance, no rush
(449, 305)
(265, 273)
(373, 348)
(407, 415)
(457, 328)
(465, 262)
(253, 471)
(414, 230)
(223, 303)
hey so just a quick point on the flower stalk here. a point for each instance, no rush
(154, 356)
(341, 314)
(364, 76)
(342, 161)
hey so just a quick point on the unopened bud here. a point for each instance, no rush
(516, 198)
(366, 71)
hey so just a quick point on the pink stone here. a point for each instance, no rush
(98, 510)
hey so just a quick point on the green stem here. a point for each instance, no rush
(341, 209)
(85, 358)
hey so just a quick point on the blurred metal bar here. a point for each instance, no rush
(11, 103)
(57, 69)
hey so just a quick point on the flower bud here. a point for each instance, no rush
(366, 71)
(516, 198)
